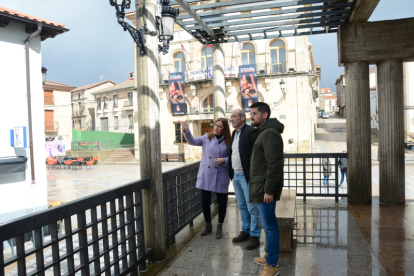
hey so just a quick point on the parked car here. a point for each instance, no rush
(325, 115)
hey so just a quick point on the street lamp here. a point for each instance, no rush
(282, 87)
(165, 18)
(44, 70)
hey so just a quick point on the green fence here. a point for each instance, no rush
(119, 139)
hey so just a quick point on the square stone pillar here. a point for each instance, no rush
(358, 133)
(391, 131)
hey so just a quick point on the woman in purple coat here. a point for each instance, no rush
(212, 175)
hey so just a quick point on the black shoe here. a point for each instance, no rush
(219, 233)
(207, 229)
(253, 243)
(243, 236)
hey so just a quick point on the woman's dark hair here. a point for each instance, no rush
(262, 107)
(227, 133)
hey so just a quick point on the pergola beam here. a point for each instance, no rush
(193, 14)
(257, 7)
(259, 37)
(362, 10)
(277, 18)
(290, 28)
(376, 41)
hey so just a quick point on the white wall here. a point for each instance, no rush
(19, 197)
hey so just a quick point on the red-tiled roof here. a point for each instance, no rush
(373, 87)
(31, 17)
(57, 86)
(326, 90)
(329, 97)
(89, 86)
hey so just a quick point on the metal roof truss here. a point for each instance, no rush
(244, 20)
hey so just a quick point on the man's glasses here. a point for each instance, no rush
(252, 114)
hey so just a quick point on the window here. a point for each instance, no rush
(131, 121)
(248, 122)
(179, 137)
(79, 96)
(329, 102)
(248, 54)
(106, 102)
(130, 103)
(98, 103)
(179, 62)
(115, 100)
(116, 122)
(104, 124)
(206, 58)
(73, 123)
(80, 124)
(208, 104)
(72, 109)
(277, 57)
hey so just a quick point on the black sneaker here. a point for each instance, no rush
(253, 243)
(243, 236)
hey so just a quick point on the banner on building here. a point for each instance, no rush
(176, 92)
(196, 75)
(230, 72)
(248, 86)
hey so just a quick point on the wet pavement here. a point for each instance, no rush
(329, 239)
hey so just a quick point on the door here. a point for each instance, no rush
(49, 120)
(205, 130)
(104, 124)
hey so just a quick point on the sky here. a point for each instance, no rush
(96, 47)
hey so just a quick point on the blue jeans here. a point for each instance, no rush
(271, 228)
(325, 180)
(249, 212)
(343, 173)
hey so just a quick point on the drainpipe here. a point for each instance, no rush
(29, 100)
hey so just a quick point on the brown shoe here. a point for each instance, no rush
(270, 270)
(253, 243)
(243, 236)
(262, 260)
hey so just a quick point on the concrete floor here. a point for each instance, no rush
(329, 239)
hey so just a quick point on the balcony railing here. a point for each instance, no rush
(104, 233)
(128, 103)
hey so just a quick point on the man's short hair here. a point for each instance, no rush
(241, 113)
(262, 108)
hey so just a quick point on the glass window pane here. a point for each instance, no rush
(210, 63)
(176, 66)
(182, 66)
(211, 102)
(244, 59)
(282, 57)
(277, 43)
(203, 63)
(206, 51)
(248, 46)
(273, 56)
(179, 55)
(252, 59)
(205, 103)
(177, 136)
(184, 140)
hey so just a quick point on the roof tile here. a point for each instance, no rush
(28, 16)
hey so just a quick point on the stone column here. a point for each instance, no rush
(391, 131)
(358, 133)
(150, 134)
(218, 82)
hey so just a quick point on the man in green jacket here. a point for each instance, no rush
(266, 179)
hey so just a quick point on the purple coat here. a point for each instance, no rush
(211, 177)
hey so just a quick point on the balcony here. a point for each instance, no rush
(128, 105)
(77, 113)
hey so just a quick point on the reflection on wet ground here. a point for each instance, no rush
(329, 239)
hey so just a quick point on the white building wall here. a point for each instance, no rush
(62, 114)
(18, 196)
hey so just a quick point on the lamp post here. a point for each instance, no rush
(44, 70)
(165, 18)
(282, 87)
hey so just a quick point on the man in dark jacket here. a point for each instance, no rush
(240, 150)
(266, 179)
